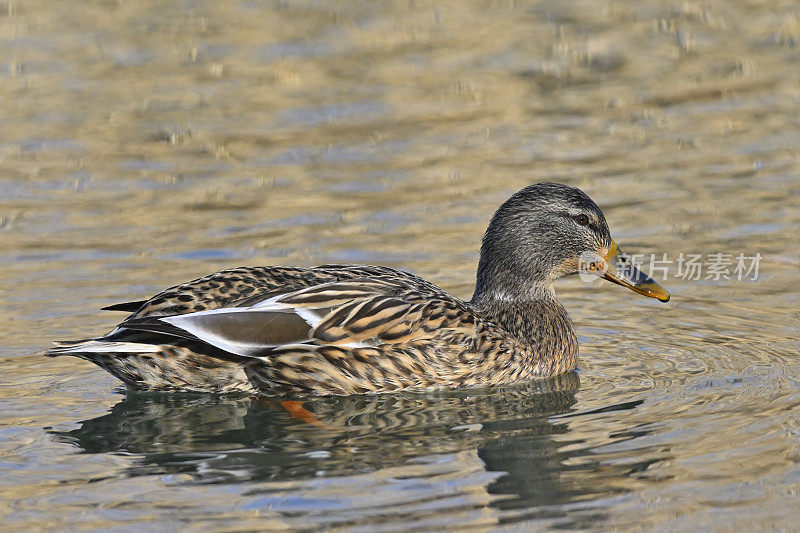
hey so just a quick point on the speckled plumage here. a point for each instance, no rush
(344, 329)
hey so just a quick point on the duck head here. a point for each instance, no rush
(547, 231)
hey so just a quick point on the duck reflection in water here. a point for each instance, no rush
(217, 439)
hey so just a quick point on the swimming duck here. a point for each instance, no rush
(348, 329)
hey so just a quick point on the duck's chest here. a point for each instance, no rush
(536, 340)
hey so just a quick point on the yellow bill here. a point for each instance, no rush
(617, 267)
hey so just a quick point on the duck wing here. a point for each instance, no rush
(232, 287)
(245, 286)
(353, 313)
(250, 312)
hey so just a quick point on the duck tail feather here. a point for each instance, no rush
(99, 346)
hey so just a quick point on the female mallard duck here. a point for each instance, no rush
(343, 329)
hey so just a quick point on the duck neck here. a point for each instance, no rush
(536, 319)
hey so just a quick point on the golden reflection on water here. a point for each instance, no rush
(147, 143)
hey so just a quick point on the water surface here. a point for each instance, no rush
(144, 144)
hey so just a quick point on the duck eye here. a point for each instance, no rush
(582, 219)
